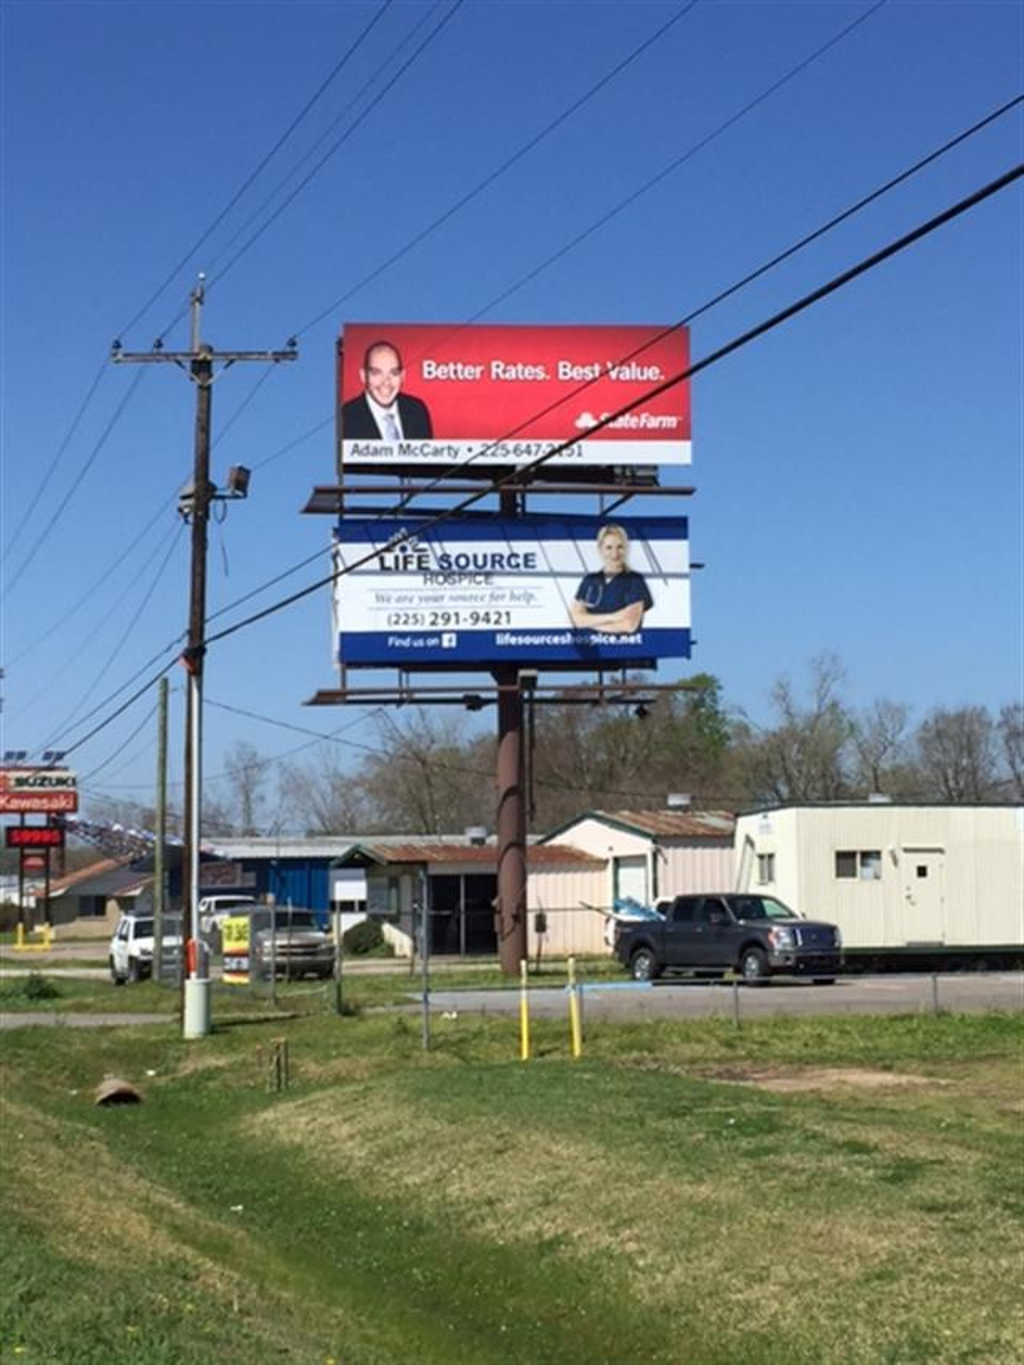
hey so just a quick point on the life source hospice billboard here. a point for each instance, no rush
(534, 589)
(422, 395)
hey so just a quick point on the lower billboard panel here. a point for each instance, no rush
(592, 591)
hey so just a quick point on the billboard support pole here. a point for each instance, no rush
(511, 823)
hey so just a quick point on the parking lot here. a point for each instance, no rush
(687, 999)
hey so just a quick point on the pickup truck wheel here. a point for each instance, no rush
(134, 972)
(117, 980)
(644, 965)
(754, 966)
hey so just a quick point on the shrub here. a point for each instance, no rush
(365, 937)
(39, 987)
(9, 916)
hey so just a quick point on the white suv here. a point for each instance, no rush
(131, 948)
(214, 910)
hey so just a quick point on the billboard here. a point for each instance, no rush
(454, 395)
(535, 589)
(38, 791)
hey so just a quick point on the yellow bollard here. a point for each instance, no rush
(47, 937)
(524, 1013)
(575, 1033)
(19, 936)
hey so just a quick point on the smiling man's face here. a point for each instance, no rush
(383, 375)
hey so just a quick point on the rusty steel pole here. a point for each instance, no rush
(511, 823)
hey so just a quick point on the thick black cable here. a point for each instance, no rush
(776, 320)
(505, 165)
(685, 320)
(258, 169)
(124, 743)
(835, 221)
(335, 146)
(831, 286)
(140, 692)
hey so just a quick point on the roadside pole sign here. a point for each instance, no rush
(236, 937)
(38, 791)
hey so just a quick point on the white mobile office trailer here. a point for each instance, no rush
(911, 884)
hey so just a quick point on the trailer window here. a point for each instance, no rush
(859, 864)
(765, 869)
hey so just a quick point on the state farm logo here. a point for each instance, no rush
(630, 421)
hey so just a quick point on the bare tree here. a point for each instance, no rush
(322, 796)
(957, 753)
(429, 778)
(1011, 736)
(879, 740)
(246, 773)
(804, 755)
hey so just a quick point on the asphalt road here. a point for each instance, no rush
(687, 999)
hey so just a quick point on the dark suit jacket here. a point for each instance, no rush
(358, 424)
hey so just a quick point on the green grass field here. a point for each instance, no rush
(843, 1189)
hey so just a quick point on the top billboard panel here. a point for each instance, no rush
(419, 395)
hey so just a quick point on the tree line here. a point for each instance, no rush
(427, 774)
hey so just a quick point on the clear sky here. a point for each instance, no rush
(859, 471)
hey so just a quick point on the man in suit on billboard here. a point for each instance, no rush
(382, 412)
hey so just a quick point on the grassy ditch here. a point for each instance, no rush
(800, 1191)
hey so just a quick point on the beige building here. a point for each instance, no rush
(644, 855)
(891, 875)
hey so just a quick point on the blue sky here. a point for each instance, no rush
(859, 471)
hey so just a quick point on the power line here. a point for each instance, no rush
(123, 745)
(335, 71)
(361, 118)
(112, 654)
(522, 151)
(776, 320)
(37, 543)
(763, 269)
(260, 166)
(26, 517)
(116, 563)
(507, 164)
(836, 283)
(391, 57)
(70, 659)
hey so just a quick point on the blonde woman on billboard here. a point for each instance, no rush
(614, 598)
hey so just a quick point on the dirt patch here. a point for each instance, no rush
(790, 1081)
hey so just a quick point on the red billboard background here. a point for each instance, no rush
(498, 382)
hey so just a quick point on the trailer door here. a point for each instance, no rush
(924, 896)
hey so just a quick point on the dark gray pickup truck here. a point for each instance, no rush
(756, 936)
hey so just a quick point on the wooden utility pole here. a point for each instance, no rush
(201, 363)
